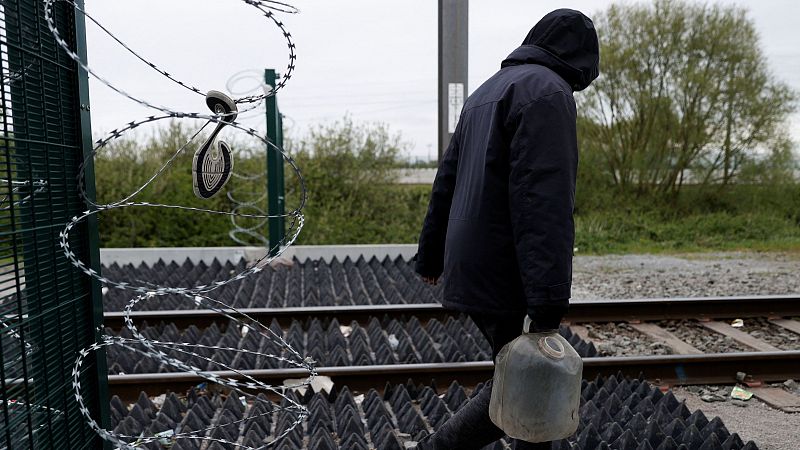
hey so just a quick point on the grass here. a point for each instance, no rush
(752, 218)
(744, 217)
(617, 234)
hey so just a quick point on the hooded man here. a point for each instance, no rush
(499, 229)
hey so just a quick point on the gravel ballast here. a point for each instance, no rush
(620, 339)
(771, 333)
(702, 338)
(689, 275)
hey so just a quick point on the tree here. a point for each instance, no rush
(685, 90)
(350, 174)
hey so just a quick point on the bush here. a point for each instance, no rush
(349, 171)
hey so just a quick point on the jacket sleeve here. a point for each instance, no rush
(543, 164)
(430, 254)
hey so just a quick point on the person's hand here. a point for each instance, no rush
(546, 317)
(430, 280)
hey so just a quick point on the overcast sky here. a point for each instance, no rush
(372, 60)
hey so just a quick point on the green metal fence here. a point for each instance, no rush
(49, 310)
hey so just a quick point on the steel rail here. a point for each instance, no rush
(580, 311)
(712, 368)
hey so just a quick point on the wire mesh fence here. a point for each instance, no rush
(48, 310)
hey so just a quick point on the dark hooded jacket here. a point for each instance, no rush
(499, 228)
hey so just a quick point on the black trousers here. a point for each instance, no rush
(471, 428)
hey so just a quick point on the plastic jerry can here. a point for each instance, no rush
(537, 387)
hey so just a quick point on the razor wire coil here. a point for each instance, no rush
(167, 352)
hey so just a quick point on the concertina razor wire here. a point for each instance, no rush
(248, 199)
(167, 352)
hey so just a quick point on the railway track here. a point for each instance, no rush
(580, 311)
(762, 362)
(392, 348)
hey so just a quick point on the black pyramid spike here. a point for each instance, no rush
(252, 437)
(355, 441)
(322, 440)
(716, 427)
(184, 444)
(612, 432)
(144, 402)
(307, 396)
(668, 444)
(611, 383)
(692, 437)
(598, 380)
(613, 404)
(682, 411)
(734, 442)
(653, 434)
(644, 445)
(662, 415)
(750, 446)
(193, 421)
(711, 443)
(234, 404)
(600, 397)
(602, 420)
(139, 414)
(626, 441)
(389, 443)
(632, 401)
(643, 390)
(589, 437)
(624, 415)
(118, 406)
(637, 424)
(588, 392)
(589, 410)
(561, 445)
(669, 401)
(675, 428)
(645, 407)
(388, 391)
(191, 397)
(698, 419)
(129, 426)
(216, 446)
(351, 425)
(655, 395)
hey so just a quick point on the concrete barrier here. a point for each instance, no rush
(207, 254)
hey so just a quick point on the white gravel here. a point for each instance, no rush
(688, 275)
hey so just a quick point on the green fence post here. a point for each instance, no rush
(92, 232)
(275, 185)
(54, 308)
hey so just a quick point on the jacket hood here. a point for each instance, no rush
(564, 41)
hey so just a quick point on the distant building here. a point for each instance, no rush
(416, 176)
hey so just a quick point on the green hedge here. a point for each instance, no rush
(353, 199)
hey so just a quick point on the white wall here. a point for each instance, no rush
(207, 254)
